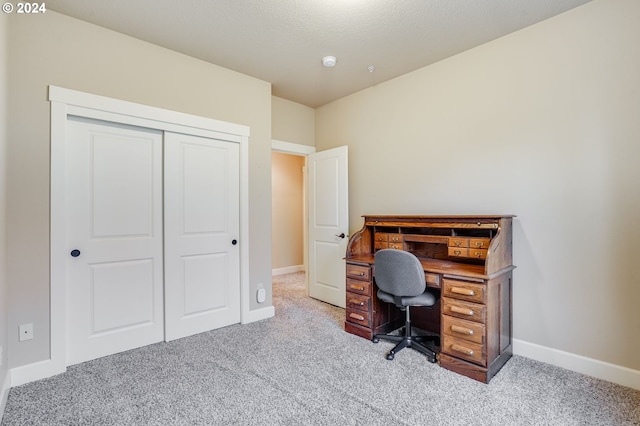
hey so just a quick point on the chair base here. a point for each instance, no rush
(407, 340)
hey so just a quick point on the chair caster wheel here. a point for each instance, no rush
(390, 356)
(375, 339)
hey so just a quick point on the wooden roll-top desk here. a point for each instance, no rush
(467, 261)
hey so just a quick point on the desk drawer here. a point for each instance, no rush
(358, 286)
(479, 243)
(472, 292)
(358, 301)
(381, 237)
(459, 348)
(395, 238)
(463, 329)
(458, 252)
(357, 316)
(458, 242)
(359, 272)
(478, 253)
(433, 280)
(379, 245)
(465, 310)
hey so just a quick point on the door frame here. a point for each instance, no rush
(65, 102)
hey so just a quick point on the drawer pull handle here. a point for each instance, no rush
(457, 252)
(354, 287)
(462, 350)
(463, 291)
(479, 244)
(463, 311)
(458, 244)
(478, 254)
(362, 274)
(461, 330)
(356, 302)
(356, 316)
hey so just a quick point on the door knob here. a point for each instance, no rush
(75, 253)
(234, 242)
(341, 235)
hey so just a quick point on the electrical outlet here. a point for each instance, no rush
(26, 332)
(261, 294)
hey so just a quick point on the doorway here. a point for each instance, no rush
(288, 212)
(326, 224)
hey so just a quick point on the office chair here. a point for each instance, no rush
(400, 279)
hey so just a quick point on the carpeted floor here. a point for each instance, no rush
(301, 368)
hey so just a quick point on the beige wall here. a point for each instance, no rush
(287, 202)
(3, 184)
(58, 50)
(543, 123)
(292, 122)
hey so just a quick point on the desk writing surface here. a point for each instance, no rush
(435, 265)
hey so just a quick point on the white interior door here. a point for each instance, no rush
(328, 224)
(202, 261)
(114, 199)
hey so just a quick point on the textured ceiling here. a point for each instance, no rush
(283, 41)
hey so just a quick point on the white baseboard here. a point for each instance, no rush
(259, 314)
(288, 270)
(36, 371)
(4, 393)
(592, 367)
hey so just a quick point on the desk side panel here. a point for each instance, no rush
(500, 255)
(499, 316)
(360, 243)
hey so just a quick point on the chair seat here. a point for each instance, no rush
(424, 299)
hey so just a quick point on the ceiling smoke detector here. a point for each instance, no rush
(329, 61)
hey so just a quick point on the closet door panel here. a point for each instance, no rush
(114, 242)
(202, 262)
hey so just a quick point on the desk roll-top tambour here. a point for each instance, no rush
(467, 261)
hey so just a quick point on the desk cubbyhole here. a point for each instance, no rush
(473, 233)
(426, 250)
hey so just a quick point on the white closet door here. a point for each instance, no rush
(114, 200)
(202, 257)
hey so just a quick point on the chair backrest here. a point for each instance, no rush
(399, 273)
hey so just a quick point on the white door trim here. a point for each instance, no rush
(66, 102)
(291, 148)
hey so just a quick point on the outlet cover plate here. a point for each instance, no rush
(26, 332)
